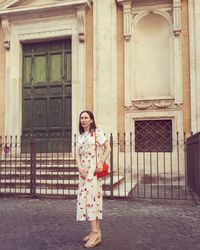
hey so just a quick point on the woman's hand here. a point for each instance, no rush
(82, 173)
(99, 167)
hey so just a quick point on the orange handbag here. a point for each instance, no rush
(104, 171)
(105, 168)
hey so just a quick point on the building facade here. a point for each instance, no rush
(134, 63)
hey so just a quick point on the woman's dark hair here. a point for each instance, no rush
(92, 125)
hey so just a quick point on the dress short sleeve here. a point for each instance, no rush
(100, 137)
(78, 143)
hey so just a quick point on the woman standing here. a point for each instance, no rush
(93, 149)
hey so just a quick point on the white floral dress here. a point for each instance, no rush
(89, 197)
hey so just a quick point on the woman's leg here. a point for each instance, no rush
(98, 228)
(93, 226)
(94, 235)
(98, 224)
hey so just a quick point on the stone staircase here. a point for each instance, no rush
(53, 176)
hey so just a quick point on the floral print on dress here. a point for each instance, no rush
(90, 193)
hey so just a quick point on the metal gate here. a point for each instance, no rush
(155, 175)
(193, 163)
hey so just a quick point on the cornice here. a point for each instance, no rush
(6, 9)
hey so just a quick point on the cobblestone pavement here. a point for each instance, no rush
(27, 224)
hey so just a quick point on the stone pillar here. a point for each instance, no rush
(6, 29)
(177, 51)
(2, 80)
(80, 68)
(194, 38)
(127, 52)
(105, 65)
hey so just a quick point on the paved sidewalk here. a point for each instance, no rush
(27, 224)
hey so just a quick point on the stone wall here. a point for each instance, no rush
(194, 48)
(89, 59)
(2, 80)
(185, 65)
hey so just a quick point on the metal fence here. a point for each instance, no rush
(193, 163)
(24, 171)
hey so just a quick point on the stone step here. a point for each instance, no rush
(39, 161)
(39, 192)
(54, 179)
(57, 186)
(60, 184)
(47, 192)
(28, 164)
(39, 176)
(39, 170)
(123, 189)
(26, 185)
(38, 181)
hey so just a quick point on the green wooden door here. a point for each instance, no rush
(46, 105)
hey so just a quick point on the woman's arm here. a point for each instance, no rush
(104, 157)
(80, 168)
(107, 150)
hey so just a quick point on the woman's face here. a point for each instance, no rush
(85, 121)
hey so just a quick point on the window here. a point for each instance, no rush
(153, 136)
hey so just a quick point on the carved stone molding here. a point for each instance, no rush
(127, 15)
(142, 105)
(162, 104)
(177, 17)
(44, 34)
(127, 20)
(81, 22)
(76, 6)
(6, 30)
(153, 105)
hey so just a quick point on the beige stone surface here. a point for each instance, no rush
(194, 48)
(2, 81)
(185, 65)
(89, 59)
(152, 53)
(102, 74)
(105, 64)
(120, 71)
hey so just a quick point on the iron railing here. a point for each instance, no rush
(24, 171)
(193, 163)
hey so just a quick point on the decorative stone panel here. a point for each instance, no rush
(154, 105)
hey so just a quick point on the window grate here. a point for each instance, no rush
(153, 136)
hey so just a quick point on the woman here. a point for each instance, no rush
(93, 149)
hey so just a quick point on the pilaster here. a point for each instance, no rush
(105, 66)
(194, 38)
(177, 51)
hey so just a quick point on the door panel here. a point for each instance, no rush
(55, 118)
(67, 108)
(68, 68)
(27, 114)
(27, 69)
(39, 114)
(56, 67)
(40, 68)
(47, 94)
